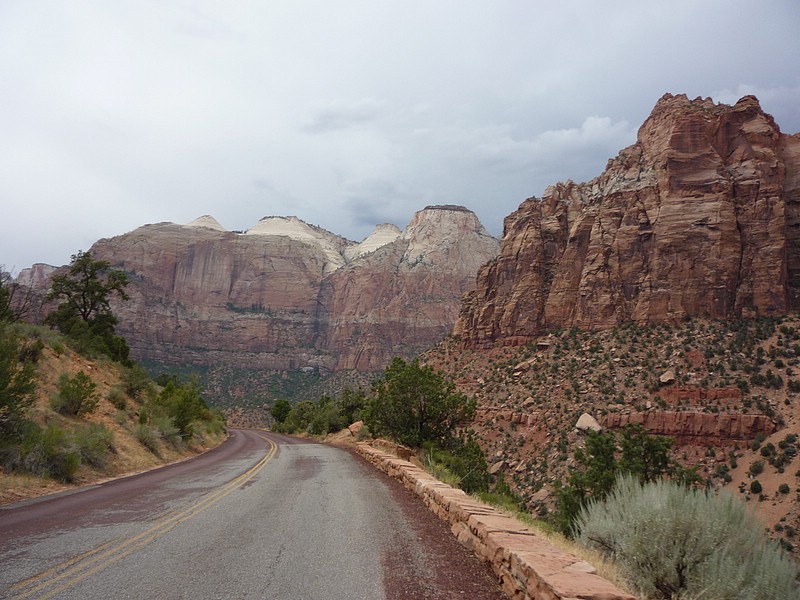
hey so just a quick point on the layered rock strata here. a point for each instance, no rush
(700, 217)
(286, 295)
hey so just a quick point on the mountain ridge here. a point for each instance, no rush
(286, 296)
(700, 217)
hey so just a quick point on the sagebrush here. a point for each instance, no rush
(683, 543)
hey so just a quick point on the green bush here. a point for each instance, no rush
(363, 434)
(784, 488)
(674, 542)
(137, 383)
(48, 452)
(177, 414)
(76, 395)
(461, 463)
(755, 486)
(117, 398)
(165, 428)
(280, 410)
(415, 404)
(93, 443)
(640, 454)
(16, 382)
(147, 437)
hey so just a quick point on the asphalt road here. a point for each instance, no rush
(262, 516)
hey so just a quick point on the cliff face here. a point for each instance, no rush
(286, 295)
(404, 297)
(700, 217)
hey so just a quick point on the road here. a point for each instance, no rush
(262, 516)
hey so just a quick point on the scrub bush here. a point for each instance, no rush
(676, 542)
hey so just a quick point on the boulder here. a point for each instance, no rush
(667, 377)
(587, 422)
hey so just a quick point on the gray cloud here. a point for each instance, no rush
(345, 114)
(340, 115)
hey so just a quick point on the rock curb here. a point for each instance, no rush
(528, 567)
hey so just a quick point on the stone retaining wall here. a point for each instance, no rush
(528, 567)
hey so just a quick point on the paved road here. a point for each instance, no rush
(262, 516)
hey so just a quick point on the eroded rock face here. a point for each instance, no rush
(404, 297)
(700, 217)
(695, 427)
(286, 295)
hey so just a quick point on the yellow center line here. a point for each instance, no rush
(79, 567)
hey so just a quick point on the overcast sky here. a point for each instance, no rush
(114, 114)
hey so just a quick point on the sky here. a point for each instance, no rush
(345, 114)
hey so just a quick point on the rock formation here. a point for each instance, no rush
(286, 295)
(404, 297)
(700, 217)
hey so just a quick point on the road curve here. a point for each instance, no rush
(262, 516)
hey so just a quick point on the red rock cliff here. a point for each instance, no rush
(286, 295)
(700, 217)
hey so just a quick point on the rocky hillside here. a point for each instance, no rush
(108, 439)
(727, 392)
(662, 293)
(700, 217)
(267, 311)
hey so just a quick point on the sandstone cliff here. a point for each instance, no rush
(700, 217)
(286, 295)
(404, 297)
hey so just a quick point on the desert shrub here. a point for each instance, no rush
(461, 462)
(755, 486)
(137, 383)
(600, 462)
(674, 542)
(76, 395)
(165, 428)
(502, 495)
(363, 434)
(93, 443)
(16, 382)
(756, 468)
(783, 488)
(47, 452)
(280, 410)
(116, 396)
(147, 437)
(326, 418)
(183, 404)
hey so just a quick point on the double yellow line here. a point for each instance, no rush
(74, 570)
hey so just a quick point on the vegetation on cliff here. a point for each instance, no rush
(84, 312)
(725, 391)
(70, 412)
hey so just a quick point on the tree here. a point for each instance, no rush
(84, 314)
(16, 382)
(76, 395)
(644, 455)
(350, 403)
(641, 455)
(415, 404)
(182, 403)
(280, 410)
(15, 300)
